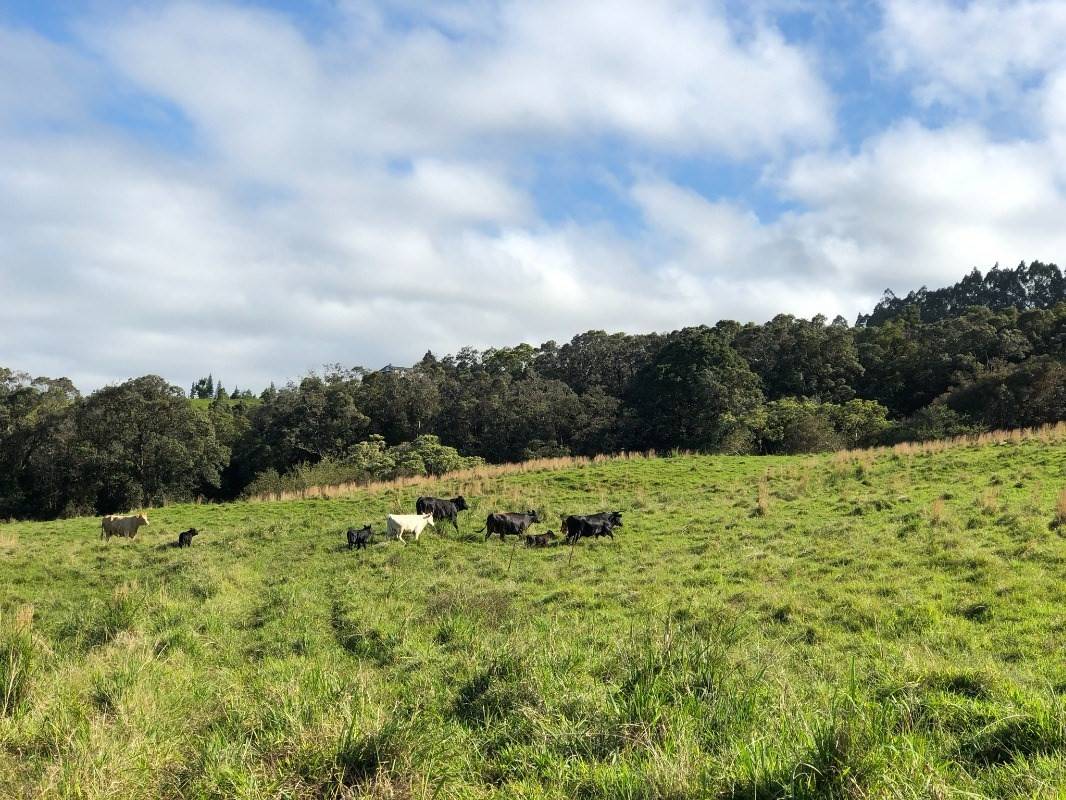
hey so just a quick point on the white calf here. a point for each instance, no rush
(399, 524)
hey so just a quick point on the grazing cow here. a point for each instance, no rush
(185, 537)
(359, 538)
(399, 524)
(509, 524)
(115, 525)
(540, 539)
(442, 509)
(601, 524)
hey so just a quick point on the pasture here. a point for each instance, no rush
(887, 624)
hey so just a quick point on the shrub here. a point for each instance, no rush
(796, 425)
(367, 461)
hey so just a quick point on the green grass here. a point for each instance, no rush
(891, 626)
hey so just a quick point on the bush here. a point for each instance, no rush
(367, 461)
(936, 421)
(792, 425)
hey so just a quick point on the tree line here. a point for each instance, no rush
(983, 354)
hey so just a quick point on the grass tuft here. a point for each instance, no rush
(18, 661)
(1060, 510)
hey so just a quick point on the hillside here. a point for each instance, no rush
(871, 624)
(988, 353)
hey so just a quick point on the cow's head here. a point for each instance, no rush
(535, 515)
(460, 503)
(143, 519)
(616, 519)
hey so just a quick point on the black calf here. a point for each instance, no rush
(185, 537)
(540, 539)
(359, 538)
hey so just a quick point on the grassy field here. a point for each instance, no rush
(887, 624)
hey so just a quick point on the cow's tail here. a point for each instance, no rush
(482, 530)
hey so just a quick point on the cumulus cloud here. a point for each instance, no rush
(670, 74)
(913, 207)
(188, 187)
(981, 50)
(356, 195)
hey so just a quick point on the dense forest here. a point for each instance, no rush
(988, 352)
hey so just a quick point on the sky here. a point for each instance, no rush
(256, 189)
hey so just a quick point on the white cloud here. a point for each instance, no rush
(913, 207)
(40, 82)
(362, 194)
(357, 195)
(670, 74)
(980, 50)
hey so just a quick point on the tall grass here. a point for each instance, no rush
(1046, 433)
(762, 503)
(1052, 433)
(18, 653)
(467, 476)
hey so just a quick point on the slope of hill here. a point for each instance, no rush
(871, 624)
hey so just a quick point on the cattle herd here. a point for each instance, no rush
(428, 512)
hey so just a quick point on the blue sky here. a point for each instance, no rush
(257, 188)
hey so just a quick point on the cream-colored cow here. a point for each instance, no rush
(116, 525)
(399, 524)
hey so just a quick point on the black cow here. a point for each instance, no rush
(359, 538)
(185, 537)
(442, 509)
(540, 539)
(509, 524)
(601, 524)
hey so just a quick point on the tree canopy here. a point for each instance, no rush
(988, 352)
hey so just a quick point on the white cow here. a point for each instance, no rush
(399, 524)
(115, 525)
